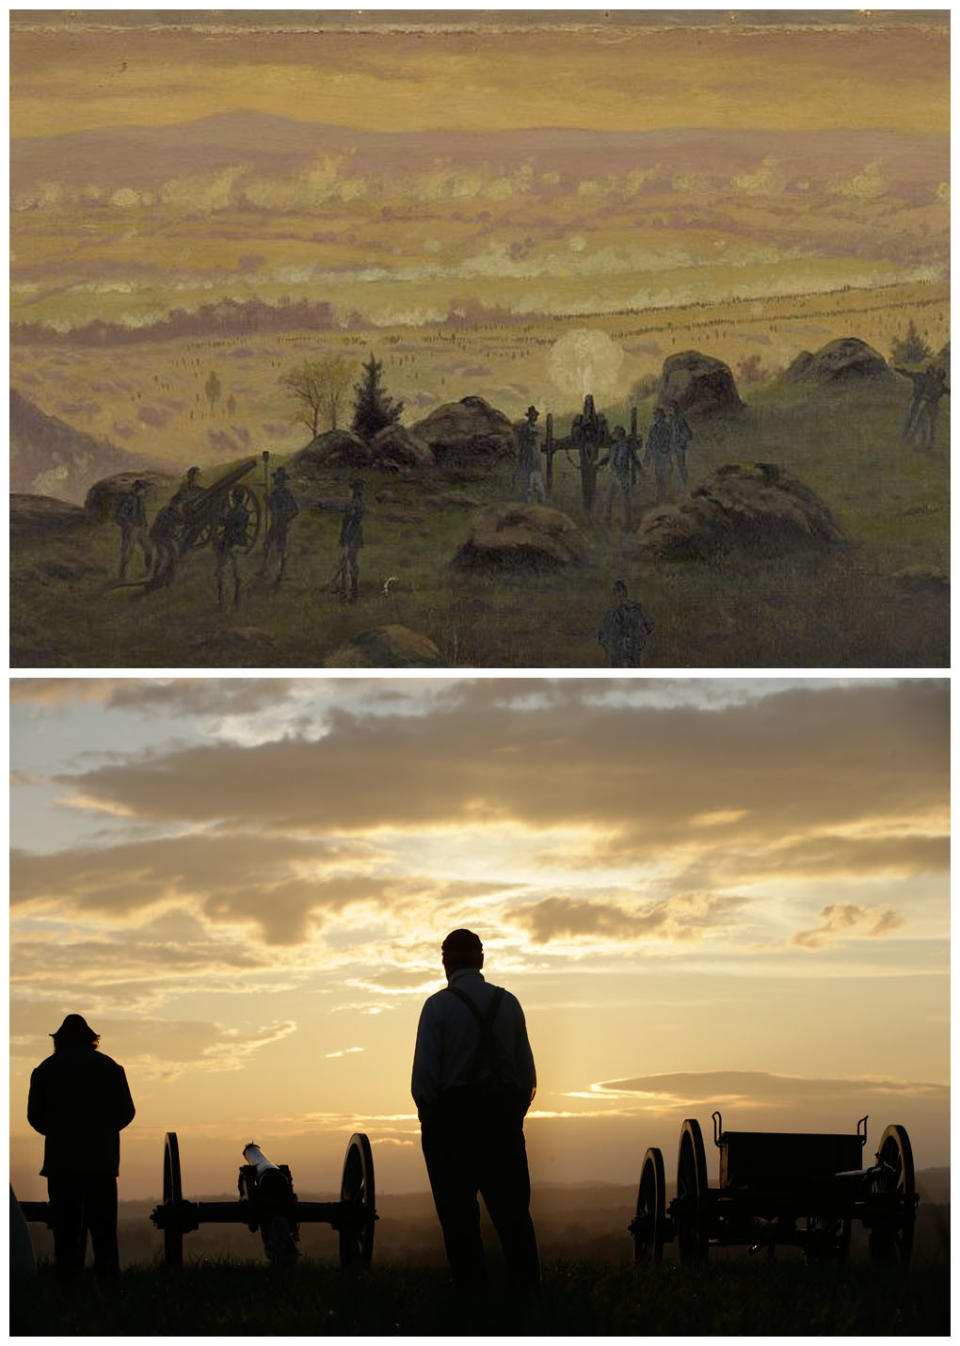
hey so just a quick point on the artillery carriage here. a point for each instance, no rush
(204, 514)
(779, 1188)
(269, 1204)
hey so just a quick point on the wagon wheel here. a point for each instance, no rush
(172, 1196)
(253, 522)
(891, 1237)
(357, 1188)
(647, 1229)
(691, 1209)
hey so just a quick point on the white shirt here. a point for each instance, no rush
(448, 1034)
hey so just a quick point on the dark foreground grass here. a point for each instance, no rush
(579, 1299)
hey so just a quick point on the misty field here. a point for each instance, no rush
(579, 1298)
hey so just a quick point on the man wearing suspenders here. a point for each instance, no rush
(473, 1081)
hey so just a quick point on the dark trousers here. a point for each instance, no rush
(82, 1202)
(474, 1143)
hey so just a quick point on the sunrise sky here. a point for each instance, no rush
(726, 893)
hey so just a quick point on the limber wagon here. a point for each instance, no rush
(779, 1188)
(269, 1204)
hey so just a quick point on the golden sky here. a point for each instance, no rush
(79, 74)
(706, 894)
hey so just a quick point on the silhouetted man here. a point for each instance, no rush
(282, 509)
(625, 631)
(131, 518)
(165, 535)
(658, 452)
(232, 538)
(346, 577)
(624, 466)
(79, 1101)
(187, 499)
(473, 1081)
(680, 437)
(528, 480)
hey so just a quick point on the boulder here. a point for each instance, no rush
(102, 497)
(392, 646)
(466, 432)
(396, 447)
(841, 361)
(35, 518)
(749, 507)
(234, 643)
(520, 538)
(702, 385)
(334, 448)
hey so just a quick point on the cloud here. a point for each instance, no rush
(763, 1088)
(867, 185)
(846, 919)
(686, 916)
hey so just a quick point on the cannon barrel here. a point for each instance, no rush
(217, 488)
(257, 1159)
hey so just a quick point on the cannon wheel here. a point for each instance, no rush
(172, 1195)
(691, 1216)
(253, 523)
(891, 1237)
(357, 1187)
(647, 1229)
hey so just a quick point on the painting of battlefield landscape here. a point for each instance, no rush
(479, 339)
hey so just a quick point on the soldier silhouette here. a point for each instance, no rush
(282, 509)
(625, 631)
(79, 1101)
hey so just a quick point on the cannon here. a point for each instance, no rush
(779, 1188)
(204, 512)
(589, 435)
(269, 1204)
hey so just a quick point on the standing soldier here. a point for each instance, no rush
(165, 536)
(80, 1101)
(282, 510)
(131, 516)
(658, 452)
(233, 536)
(346, 577)
(187, 495)
(527, 479)
(625, 631)
(680, 437)
(624, 465)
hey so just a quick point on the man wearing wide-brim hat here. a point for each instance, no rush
(80, 1102)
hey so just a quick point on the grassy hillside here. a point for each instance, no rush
(579, 1299)
(880, 600)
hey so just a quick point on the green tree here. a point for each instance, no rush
(318, 387)
(911, 349)
(373, 409)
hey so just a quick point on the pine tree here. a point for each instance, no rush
(911, 349)
(373, 409)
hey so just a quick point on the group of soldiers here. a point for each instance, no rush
(929, 385)
(668, 440)
(179, 524)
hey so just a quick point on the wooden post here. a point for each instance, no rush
(266, 492)
(549, 450)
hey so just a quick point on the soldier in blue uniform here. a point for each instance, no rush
(625, 631)
(659, 449)
(624, 465)
(527, 479)
(233, 537)
(282, 509)
(680, 437)
(131, 517)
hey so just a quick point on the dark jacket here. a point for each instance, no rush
(80, 1102)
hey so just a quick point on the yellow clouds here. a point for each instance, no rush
(844, 919)
(683, 917)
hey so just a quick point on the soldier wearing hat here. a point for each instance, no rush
(282, 509)
(473, 1081)
(130, 516)
(346, 577)
(79, 1101)
(527, 479)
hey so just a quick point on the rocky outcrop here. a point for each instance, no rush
(334, 448)
(846, 360)
(464, 433)
(38, 518)
(102, 497)
(395, 448)
(702, 385)
(391, 646)
(748, 507)
(520, 538)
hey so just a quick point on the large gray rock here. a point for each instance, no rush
(395, 447)
(846, 360)
(701, 384)
(467, 432)
(102, 497)
(334, 448)
(520, 538)
(36, 518)
(748, 507)
(392, 646)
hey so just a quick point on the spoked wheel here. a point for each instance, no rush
(894, 1187)
(252, 501)
(647, 1228)
(357, 1189)
(172, 1196)
(691, 1207)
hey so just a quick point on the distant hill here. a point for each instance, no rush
(50, 457)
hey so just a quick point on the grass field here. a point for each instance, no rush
(880, 600)
(579, 1299)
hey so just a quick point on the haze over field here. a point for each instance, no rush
(707, 894)
(402, 170)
